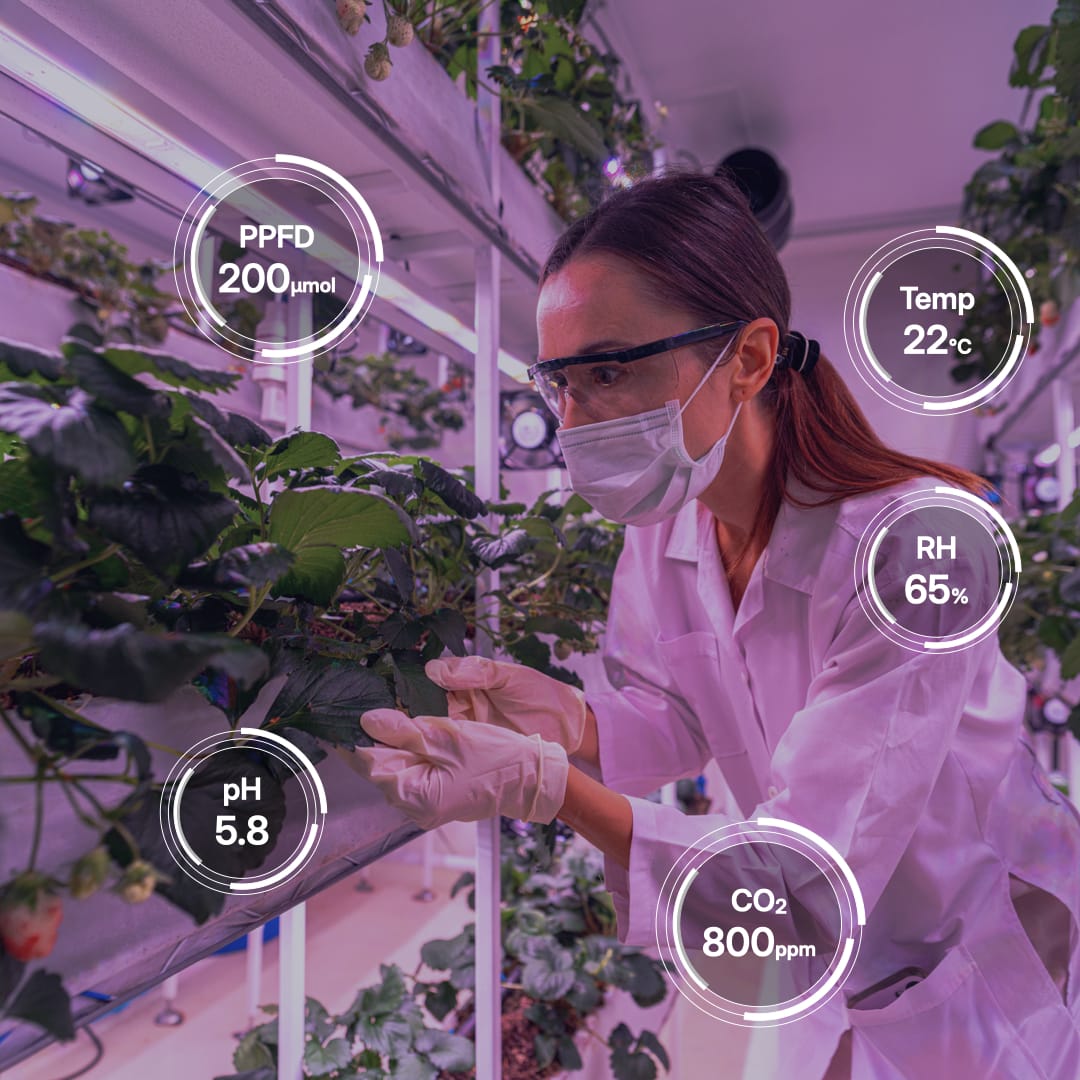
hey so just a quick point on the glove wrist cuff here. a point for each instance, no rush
(552, 773)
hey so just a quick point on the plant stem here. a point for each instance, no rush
(255, 600)
(71, 571)
(18, 737)
(150, 451)
(39, 814)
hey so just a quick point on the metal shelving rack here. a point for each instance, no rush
(254, 73)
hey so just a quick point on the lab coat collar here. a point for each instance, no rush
(795, 549)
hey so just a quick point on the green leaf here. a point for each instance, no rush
(441, 1001)
(996, 135)
(168, 369)
(327, 698)
(320, 1060)
(17, 488)
(636, 1066)
(500, 550)
(65, 428)
(22, 564)
(444, 1050)
(164, 516)
(419, 695)
(16, 634)
(317, 523)
(252, 1054)
(569, 1056)
(646, 984)
(1029, 56)
(552, 624)
(414, 1068)
(113, 388)
(545, 1046)
(248, 565)
(649, 1041)
(564, 120)
(43, 1001)
(449, 624)
(1070, 588)
(1055, 631)
(549, 973)
(532, 652)
(1070, 659)
(235, 429)
(451, 490)
(24, 362)
(303, 450)
(132, 664)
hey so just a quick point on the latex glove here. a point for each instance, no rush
(437, 769)
(512, 696)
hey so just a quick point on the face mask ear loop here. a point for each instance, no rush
(719, 356)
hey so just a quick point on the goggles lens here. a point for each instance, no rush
(606, 391)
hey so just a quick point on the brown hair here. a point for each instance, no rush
(696, 242)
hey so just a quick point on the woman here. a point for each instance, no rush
(746, 473)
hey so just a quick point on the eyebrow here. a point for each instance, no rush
(603, 345)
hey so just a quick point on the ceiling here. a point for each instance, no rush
(870, 107)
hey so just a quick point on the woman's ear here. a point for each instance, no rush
(754, 358)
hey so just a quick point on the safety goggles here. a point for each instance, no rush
(606, 385)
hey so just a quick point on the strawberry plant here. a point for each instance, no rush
(1025, 198)
(150, 539)
(560, 958)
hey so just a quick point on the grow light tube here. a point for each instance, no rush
(127, 125)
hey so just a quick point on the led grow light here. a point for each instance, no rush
(98, 108)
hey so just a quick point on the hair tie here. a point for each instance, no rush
(800, 353)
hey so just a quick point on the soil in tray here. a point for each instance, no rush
(518, 1047)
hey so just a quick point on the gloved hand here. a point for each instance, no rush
(437, 769)
(512, 696)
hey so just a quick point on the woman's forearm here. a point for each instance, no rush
(589, 750)
(602, 816)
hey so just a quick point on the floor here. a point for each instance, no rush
(380, 926)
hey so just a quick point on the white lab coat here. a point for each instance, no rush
(913, 765)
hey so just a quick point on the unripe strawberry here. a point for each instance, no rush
(1049, 313)
(138, 882)
(399, 30)
(350, 15)
(377, 62)
(30, 914)
(88, 873)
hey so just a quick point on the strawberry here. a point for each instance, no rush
(138, 882)
(1049, 313)
(399, 31)
(88, 873)
(350, 14)
(30, 914)
(377, 62)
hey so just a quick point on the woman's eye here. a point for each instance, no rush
(605, 376)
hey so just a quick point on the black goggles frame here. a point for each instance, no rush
(625, 356)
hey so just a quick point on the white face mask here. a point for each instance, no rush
(636, 469)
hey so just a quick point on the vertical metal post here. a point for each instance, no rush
(291, 958)
(254, 974)
(1064, 425)
(488, 260)
(291, 941)
(298, 375)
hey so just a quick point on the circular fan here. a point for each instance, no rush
(527, 428)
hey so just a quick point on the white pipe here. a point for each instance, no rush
(291, 994)
(298, 376)
(488, 875)
(488, 296)
(254, 974)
